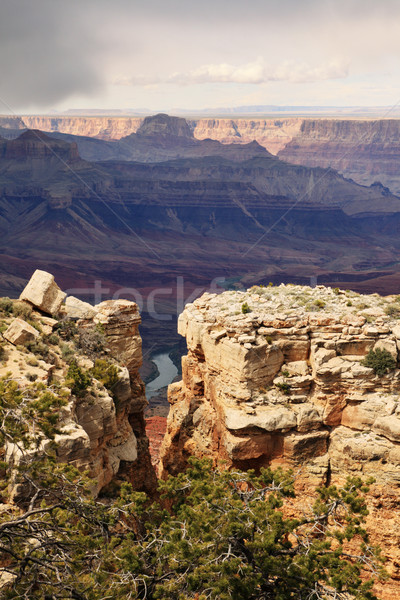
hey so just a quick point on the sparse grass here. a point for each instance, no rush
(21, 309)
(6, 305)
(32, 362)
(393, 310)
(362, 306)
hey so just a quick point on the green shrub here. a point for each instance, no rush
(336, 291)
(77, 379)
(105, 372)
(284, 388)
(349, 303)
(66, 329)
(53, 339)
(319, 303)
(39, 348)
(381, 361)
(6, 305)
(67, 352)
(245, 308)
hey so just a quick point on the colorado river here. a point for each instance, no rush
(167, 372)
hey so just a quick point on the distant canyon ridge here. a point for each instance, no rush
(365, 150)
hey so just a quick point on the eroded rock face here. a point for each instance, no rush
(114, 423)
(284, 385)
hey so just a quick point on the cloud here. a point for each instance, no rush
(46, 55)
(304, 73)
(251, 73)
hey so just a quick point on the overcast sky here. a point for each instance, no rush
(165, 54)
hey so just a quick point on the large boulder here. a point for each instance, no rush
(77, 309)
(43, 292)
(20, 332)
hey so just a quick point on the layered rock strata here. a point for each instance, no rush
(284, 384)
(102, 429)
(366, 150)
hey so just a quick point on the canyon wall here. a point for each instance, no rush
(275, 377)
(105, 128)
(366, 151)
(273, 134)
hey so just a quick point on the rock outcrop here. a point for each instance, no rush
(102, 427)
(275, 377)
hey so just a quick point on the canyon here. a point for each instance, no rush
(365, 150)
(277, 377)
(158, 228)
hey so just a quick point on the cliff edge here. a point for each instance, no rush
(279, 376)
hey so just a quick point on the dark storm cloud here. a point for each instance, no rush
(54, 53)
(46, 53)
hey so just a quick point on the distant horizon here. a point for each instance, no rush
(256, 111)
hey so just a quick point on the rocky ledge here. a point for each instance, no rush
(278, 376)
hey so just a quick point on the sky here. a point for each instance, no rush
(185, 54)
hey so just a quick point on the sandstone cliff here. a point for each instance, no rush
(284, 385)
(102, 427)
(273, 134)
(366, 151)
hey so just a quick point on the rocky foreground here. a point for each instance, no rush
(278, 376)
(92, 356)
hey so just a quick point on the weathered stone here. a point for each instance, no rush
(47, 324)
(388, 345)
(389, 427)
(77, 309)
(43, 293)
(269, 419)
(20, 332)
